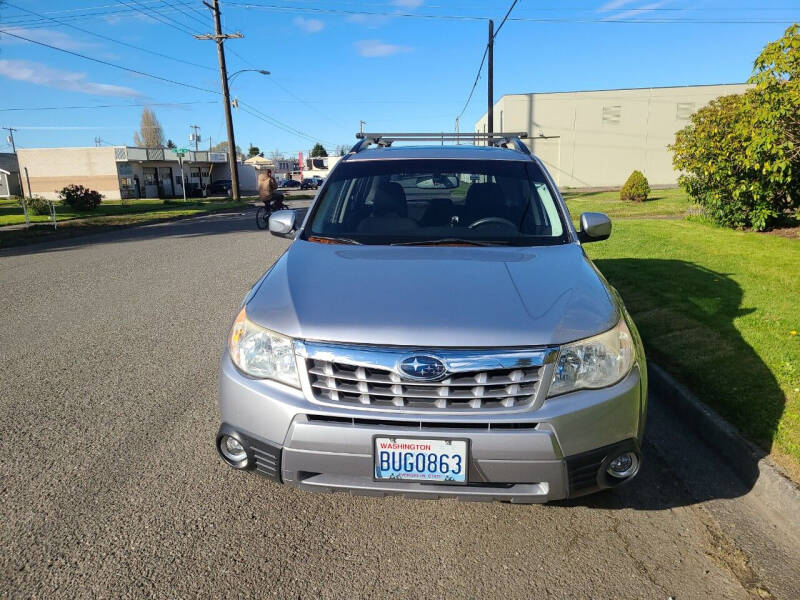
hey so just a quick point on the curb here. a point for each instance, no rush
(739, 453)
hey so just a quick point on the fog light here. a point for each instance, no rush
(232, 449)
(623, 465)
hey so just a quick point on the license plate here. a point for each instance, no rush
(421, 460)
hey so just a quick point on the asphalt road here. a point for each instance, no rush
(110, 485)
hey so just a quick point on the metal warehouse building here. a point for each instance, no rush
(596, 138)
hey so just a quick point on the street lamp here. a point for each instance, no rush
(231, 139)
(229, 119)
(262, 71)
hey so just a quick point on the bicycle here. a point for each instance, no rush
(263, 213)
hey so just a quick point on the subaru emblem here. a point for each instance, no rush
(422, 367)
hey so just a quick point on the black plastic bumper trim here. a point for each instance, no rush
(586, 471)
(262, 457)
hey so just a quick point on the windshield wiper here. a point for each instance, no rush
(324, 239)
(452, 241)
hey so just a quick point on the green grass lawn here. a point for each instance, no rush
(662, 203)
(717, 309)
(11, 212)
(107, 215)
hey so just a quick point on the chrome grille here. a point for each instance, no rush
(345, 383)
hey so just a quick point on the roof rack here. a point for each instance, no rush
(385, 140)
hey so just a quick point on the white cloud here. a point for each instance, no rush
(635, 12)
(47, 36)
(376, 48)
(613, 5)
(71, 81)
(309, 25)
(370, 21)
(408, 3)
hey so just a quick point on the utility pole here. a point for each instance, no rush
(490, 78)
(220, 38)
(11, 131)
(195, 138)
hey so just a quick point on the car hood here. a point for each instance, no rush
(434, 296)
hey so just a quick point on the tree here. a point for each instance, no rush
(342, 149)
(276, 155)
(171, 144)
(253, 151)
(776, 75)
(740, 155)
(318, 150)
(223, 147)
(150, 134)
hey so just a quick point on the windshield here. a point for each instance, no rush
(414, 202)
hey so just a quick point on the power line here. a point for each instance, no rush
(152, 13)
(191, 7)
(475, 83)
(111, 39)
(110, 64)
(457, 17)
(23, 21)
(283, 87)
(204, 22)
(37, 108)
(281, 125)
(339, 11)
(503, 22)
(483, 60)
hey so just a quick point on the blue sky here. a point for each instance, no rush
(336, 63)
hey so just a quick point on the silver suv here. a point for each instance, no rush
(435, 329)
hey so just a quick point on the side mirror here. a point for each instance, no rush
(595, 227)
(282, 223)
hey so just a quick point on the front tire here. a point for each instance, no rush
(262, 217)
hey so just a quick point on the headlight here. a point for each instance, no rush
(262, 353)
(595, 362)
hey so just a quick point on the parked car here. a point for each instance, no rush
(220, 187)
(435, 329)
(312, 183)
(289, 183)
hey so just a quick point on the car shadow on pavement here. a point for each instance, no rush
(243, 220)
(686, 315)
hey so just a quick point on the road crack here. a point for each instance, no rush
(724, 551)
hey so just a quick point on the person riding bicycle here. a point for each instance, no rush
(267, 186)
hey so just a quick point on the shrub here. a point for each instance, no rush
(37, 205)
(636, 189)
(79, 197)
(740, 155)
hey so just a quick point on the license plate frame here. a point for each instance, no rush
(467, 454)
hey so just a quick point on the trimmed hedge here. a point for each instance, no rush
(636, 189)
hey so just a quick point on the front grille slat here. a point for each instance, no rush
(343, 383)
(529, 376)
(477, 392)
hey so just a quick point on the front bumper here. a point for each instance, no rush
(559, 450)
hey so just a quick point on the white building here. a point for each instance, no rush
(120, 171)
(597, 138)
